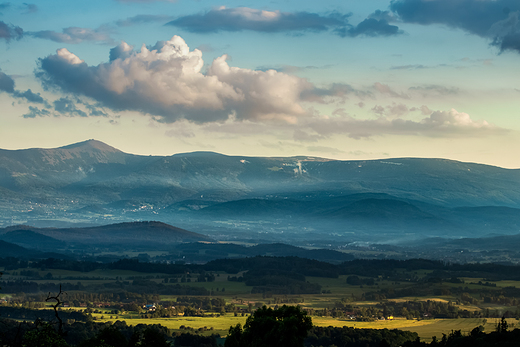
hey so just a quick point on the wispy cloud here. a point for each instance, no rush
(376, 24)
(75, 35)
(35, 112)
(143, 19)
(10, 32)
(29, 8)
(143, 1)
(7, 85)
(387, 90)
(437, 124)
(435, 89)
(5, 6)
(244, 18)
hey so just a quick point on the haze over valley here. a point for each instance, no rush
(304, 201)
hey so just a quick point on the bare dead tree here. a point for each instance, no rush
(55, 306)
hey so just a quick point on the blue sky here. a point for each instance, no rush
(337, 79)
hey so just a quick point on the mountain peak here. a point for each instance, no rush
(92, 144)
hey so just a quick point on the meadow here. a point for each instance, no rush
(239, 295)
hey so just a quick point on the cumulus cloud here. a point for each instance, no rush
(244, 18)
(496, 20)
(143, 19)
(75, 35)
(10, 32)
(166, 81)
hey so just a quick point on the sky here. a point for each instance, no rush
(350, 80)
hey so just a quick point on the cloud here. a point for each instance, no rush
(29, 8)
(36, 112)
(394, 110)
(244, 18)
(4, 6)
(385, 89)
(324, 149)
(7, 85)
(376, 24)
(332, 93)
(144, 1)
(496, 20)
(409, 67)
(438, 124)
(10, 32)
(435, 89)
(30, 96)
(143, 19)
(166, 81)
(67, 106)
(74, 35)
(304, 136)
(291, 69)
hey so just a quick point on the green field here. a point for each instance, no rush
(334, 290)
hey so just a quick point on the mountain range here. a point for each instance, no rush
(92, 183)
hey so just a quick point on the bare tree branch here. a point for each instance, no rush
(58, 303)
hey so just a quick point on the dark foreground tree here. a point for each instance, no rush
(44, 336)
(286, 326)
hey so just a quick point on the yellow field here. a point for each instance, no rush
(402, 324)
(220, 325)
(424, 328)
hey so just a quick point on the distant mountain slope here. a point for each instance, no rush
(92, 182)
(212, 251)
(93, 172)
(373, 208)
(8, 249)
(133, 233)
(489, 244)
(31, 239)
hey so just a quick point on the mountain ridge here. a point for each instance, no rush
(92, 182)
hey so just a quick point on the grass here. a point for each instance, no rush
(219, 325)
(426, 328)
(336, 289)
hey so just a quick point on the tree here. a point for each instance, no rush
(153, 338)
(45, 336)
(286, 326)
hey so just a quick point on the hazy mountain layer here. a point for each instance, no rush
(258, 198)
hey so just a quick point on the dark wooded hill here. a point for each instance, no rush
(121, 234)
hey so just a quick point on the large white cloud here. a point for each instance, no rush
(167, 81)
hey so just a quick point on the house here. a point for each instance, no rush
(149, 307)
